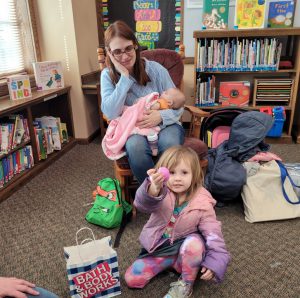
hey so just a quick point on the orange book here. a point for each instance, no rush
(234, 93)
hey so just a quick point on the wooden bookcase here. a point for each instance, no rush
(291, 50)
(55, 103)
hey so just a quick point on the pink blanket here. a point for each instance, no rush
(121, 128)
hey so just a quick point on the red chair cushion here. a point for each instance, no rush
(170, 59)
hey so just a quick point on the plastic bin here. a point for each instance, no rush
(279, 113)
(279, 116)
(276, 130)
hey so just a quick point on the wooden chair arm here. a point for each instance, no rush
(196, 111)
(101, 58)
(197, 117)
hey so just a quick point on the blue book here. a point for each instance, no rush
(281, 14)
(1, 174)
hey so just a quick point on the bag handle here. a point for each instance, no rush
(284, 173)
(85, 240)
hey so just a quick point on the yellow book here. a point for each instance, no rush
(249, 14)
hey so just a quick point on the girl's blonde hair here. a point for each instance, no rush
(172, 157)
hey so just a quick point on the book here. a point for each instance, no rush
(48, 75)
(281, 14)
(64, 132)
(215, 14)
(236, 93)
(19, 86)
(249, 14)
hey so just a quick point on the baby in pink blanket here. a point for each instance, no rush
(121, 128)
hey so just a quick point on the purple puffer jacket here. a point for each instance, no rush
(198, 216)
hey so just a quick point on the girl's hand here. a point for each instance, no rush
(157, 180)
(119, 67)
(207, 274)
(150, 119)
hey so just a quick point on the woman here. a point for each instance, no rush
(127, 78)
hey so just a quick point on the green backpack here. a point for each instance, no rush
(109, 209)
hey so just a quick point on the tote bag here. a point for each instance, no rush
(269, 194)
(92, 268)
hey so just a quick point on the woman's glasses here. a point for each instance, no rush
(117, 53)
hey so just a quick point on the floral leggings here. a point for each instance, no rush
(187, 262)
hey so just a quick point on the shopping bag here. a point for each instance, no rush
(294, 172)
(92, 268)
(268, 193)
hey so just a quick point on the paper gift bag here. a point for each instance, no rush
(92, 268)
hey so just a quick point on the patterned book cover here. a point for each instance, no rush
(249, 14)
(281, 14)
(235, 93)
(19, 86)
(215, 14)
(48, 75)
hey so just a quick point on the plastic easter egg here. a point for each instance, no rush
(165, 172)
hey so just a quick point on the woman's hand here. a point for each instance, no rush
(157, 180)
(207, 274)
(119, 67)
(150, 119)
(14, 287)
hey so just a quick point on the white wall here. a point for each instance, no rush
(193, 22)
(67, 31)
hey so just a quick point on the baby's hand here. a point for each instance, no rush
(157, 180)
(170, 103)
(207, 274)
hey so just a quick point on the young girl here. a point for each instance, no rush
(182, 231)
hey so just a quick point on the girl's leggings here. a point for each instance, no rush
(187, 262)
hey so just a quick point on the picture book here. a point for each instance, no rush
(64, 132)
(235, 93)
(249, 14)
(19, 86)
(48, 75)
(281, 14)
(215, 14)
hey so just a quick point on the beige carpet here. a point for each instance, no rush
(43, 217)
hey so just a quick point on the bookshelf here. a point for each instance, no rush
(55, 102)
(290, 39)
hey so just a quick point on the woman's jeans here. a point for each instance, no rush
(139, 152)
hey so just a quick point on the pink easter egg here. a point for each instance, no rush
(165, 172)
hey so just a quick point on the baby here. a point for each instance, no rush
(121, 128)
(172, 98)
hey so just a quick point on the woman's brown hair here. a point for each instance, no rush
(122, 30)
(172, 157)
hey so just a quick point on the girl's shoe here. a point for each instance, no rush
(179, 289)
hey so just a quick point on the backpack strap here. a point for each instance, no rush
(284, 173)
(125, 218)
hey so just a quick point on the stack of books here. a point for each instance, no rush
(13, 132)
(273, 91)
(15, 163)
(50, 134)
(205, 92)
(238, 54)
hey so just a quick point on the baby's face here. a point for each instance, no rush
(170, 93)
